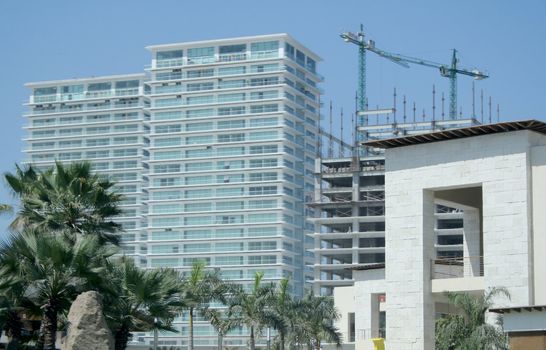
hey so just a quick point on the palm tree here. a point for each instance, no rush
(199, 289)
(221, 324)
(469, 330)
(52, 271)
(253, 309)
(283, 307)
(139, 300)
(4, 208)
(314, 323)
(67, 199)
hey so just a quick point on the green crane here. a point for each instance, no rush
(448, 71)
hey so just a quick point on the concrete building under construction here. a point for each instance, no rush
(349, 205)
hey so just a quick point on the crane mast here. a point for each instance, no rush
(448, 71)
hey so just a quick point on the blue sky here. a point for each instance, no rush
(46, 40)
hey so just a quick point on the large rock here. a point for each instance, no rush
(87, 329)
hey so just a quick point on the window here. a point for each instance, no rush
(193, 207)
(264, 81)
(289, 50)
(196, 140)
(232, 70)
(257, 218)
(166, 195)
(200, 55)
(238, 205)
(262, 190)
(231, 124)
(199, 166)
(169, 128)
(223, 111)
(200, 113)
(263, 149)
(168, 55)
(263, 135)
(228, 247)
(200, 73)
(231, 138)
(263, 163)
(263, 122)
(231, 97)
(204, 126)
(200, 100)
(269, 176)
(264, 108)
(200, 86)
(264, 46)
(168, 115)
(165, 142)
(205, 193)
(230, 192)
(231, 84)
(167, 155)
(262, 95)
(166, 168)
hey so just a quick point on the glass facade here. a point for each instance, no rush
(213, 148)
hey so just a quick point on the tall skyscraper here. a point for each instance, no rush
(214, 149)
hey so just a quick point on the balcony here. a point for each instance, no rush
(459, 274)
(85, 95)
(228, 57)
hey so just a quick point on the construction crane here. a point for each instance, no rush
(447, 71)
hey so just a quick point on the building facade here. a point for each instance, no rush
(214, 149)
(495, 174)
(349, 206)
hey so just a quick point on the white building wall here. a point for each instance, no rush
(500, 164)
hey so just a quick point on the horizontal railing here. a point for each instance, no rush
(83, 95)
(458, 267)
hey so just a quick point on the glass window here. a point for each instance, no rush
(167, 55)
(264, 46)
(127, 84)
(198, 55)
(232, 48)
(99, 86)
(231, 70)
(199, 113)
(200, 73)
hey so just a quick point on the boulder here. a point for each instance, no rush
(87, 329)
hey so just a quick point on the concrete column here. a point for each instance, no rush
(471, 243)
(410, 246)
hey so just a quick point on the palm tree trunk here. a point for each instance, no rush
(252, 340)
(318, 343)
(190, 345)
(49, 322)
(40, 342)
(220, 341)
(281, 345)
(121, 338)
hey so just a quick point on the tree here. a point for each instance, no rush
(283, 307)
(199, 289)
(51, 271)
(66, 199)
(469, 330)
(253, 309)
(314, 324)
(220, 322)
(139, 300)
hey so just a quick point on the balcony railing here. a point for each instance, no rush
(459, 267)
(228, 57)
(84, 95)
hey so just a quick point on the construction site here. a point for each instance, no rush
(349, 197)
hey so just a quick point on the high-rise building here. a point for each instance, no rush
(214, 149)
